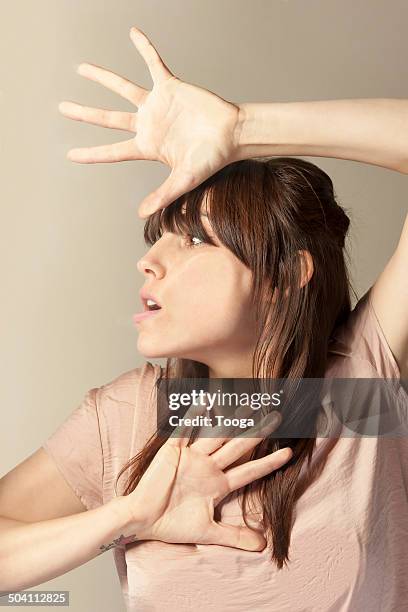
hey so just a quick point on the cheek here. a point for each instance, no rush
(209, 306)
(219, 291)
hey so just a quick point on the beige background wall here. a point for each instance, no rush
(70, 234)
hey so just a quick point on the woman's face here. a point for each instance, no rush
(205, 297)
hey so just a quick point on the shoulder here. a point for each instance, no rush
(128, 386)
(126, 406)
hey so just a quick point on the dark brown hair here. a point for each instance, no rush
(265, 210)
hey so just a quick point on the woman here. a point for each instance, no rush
(264, 293)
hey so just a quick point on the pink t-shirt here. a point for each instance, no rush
(349, 542)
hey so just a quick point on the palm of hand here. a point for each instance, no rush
(183, 512)
(186, 127)
(174, 500)
(189, 128)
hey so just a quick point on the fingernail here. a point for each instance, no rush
(285, 453)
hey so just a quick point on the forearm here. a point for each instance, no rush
(33, 553)
(371, 130)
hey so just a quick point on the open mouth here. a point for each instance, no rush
(151, 305)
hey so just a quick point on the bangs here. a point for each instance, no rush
(182, 217)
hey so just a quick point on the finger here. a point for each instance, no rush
(118, 151)
(206, 446)
(157, 67)
(242, 475)
(128, 90)
(99, 116)
(235, 447)
(182, 433)
(236, 537)
(176, 184)
(244, 412)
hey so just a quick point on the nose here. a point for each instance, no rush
(147, 266)
(150, 262)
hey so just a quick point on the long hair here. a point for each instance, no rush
(265, 211)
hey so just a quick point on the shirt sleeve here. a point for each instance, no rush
(360, 350)
(374, 346)
(363, 339)
(76, 448)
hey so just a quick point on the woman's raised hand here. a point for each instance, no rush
(186, 127)
(174, 500)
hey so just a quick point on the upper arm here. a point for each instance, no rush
(64, 476)
(389, 298)
(35, 490)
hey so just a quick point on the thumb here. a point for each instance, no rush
(236, 537)
(175, 185)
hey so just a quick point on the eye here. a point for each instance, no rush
(190, 238)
